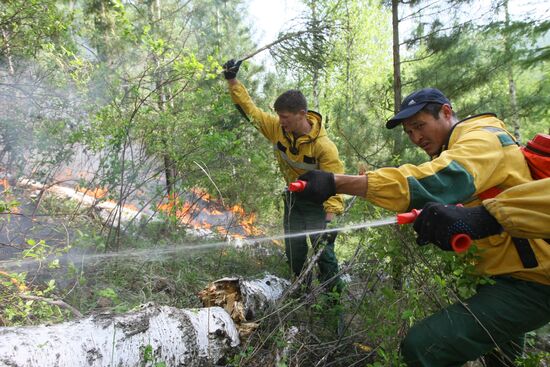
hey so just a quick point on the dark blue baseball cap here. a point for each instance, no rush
(416, 101)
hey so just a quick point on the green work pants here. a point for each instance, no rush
(305, 216)
(497, 316)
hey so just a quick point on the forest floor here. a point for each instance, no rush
(162, 263)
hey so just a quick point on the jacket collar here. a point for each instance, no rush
(446, 145)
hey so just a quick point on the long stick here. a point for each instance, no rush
(269, 45)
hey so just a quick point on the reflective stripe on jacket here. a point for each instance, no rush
(295, 155)
(480, 155)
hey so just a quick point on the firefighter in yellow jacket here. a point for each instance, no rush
(469, 157)
(300, 144)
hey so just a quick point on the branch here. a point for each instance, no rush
(53, 302)
(269, 45)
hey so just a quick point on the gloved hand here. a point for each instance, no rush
(328, 237)
(437, 223)
(320, 186)
(325, 238)
(231, 68)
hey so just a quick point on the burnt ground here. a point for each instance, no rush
(28, 223)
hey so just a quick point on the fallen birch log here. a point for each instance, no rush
(196, 337)
(243, 299)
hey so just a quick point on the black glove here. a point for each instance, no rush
(437, 223)
(231, 68)
(320, 186)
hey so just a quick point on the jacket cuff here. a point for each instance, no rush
(334, 205)
(496, 210)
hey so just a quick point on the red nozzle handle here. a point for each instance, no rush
(409, 217)
(461, 242)
(297, 186)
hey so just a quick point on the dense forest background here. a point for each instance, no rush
(123, 102)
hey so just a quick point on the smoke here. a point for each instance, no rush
(38, 120)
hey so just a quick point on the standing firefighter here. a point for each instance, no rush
(469, 157)
(300, 144)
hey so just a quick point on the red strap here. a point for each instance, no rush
(489, 193)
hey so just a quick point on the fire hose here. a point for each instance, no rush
(460, 242)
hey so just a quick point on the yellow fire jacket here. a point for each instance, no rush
(295, 155)
(480, 154)
(524, 210)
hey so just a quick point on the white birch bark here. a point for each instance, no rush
(198, 337)
(192, 337)
(243, 299)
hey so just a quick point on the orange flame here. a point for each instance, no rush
(187, 212)
(182, 211)
(6, 187)
(201, 193)
(97, 193)
(100, 193)
(247, 220)
(4, 183)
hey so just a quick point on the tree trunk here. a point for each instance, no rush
(201, 337)
(514, 104)
(397, 146)
(316, 46)
(7, 51)
(397, 134)
(169, 166)
(511, 82)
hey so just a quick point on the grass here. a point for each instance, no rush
(173, 279)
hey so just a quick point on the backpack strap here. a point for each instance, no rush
(525, 252)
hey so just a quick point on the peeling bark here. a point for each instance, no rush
(200, 337)
(243, 299)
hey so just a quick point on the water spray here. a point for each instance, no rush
(460, 242)
(169, 250)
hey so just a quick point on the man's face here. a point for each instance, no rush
(427, 132)
(290, 121)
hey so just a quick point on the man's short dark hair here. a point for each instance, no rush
(291, 101)
(434, 109)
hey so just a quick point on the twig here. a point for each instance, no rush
(211, 180)
(53, 302)
(305, 273)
